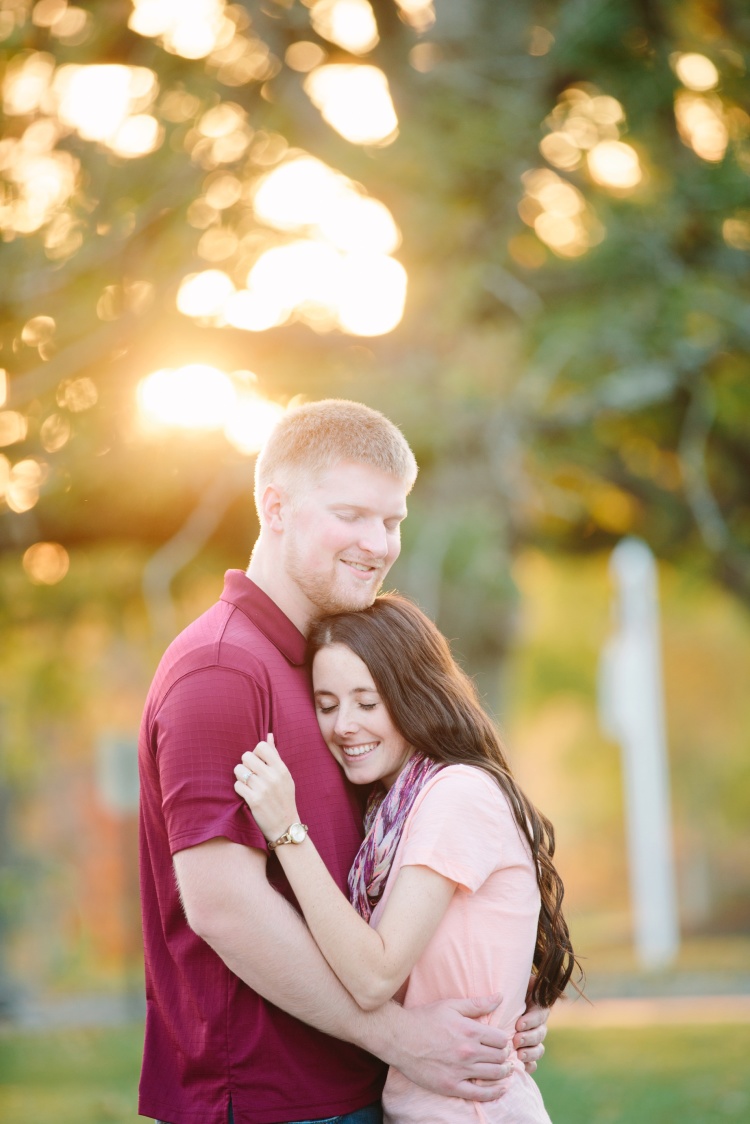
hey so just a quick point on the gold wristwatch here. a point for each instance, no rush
(297, 833)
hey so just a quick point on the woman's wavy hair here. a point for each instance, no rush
(434, 705)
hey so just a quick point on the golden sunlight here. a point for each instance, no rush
(46, 563)
(196, 396)
(204, 294)
(299, 276)
(695, 71)
(251, 422)
(3, 386)
(202, 397)
(305, 194)
(355, 101)
(373, 294)
(98, 101)
(320, 276)
(347, 23)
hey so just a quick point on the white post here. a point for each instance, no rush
(632, 712)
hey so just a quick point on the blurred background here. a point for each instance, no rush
(522, 230)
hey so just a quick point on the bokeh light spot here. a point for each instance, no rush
(419, 14)
(347, 23)
(701, 124)
(24, 483)
(40, 329)
(204, 294)
(614, 164)
(355, 101)
(695, 71)
(190, 28)
(13, 427)
(54, 432)
(304, 56)
(46, 563)
(77, 395)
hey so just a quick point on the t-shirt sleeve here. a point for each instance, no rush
(458, 827)
(207, 721)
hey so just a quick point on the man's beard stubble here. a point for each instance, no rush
(321, 590)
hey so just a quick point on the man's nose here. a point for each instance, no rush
(374, 540)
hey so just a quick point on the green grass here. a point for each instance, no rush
(647, 1075)
(653, 1075)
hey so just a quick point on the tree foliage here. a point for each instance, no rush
(557, 392)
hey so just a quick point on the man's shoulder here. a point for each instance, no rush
(221, 640)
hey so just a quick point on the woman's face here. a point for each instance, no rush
(353, 719)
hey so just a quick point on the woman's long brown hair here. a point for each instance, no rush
(434, 705)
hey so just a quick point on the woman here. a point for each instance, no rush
(454, 889)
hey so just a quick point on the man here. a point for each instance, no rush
(245, 1021)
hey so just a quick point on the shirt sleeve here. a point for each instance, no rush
(207, 721)
(459, 827)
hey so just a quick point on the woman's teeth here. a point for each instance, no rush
(358, 750)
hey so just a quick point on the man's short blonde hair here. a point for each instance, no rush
(310, 439)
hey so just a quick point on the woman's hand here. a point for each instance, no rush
(266, 786)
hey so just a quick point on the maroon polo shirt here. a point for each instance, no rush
(234, 675)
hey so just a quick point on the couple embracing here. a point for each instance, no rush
(295, 971)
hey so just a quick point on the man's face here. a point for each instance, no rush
(343, 535)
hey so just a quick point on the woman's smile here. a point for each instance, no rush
(354, 720)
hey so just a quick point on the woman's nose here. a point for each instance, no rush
(345, 721)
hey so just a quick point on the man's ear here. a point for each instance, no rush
(272, 507)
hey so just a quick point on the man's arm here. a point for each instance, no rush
(260, 937)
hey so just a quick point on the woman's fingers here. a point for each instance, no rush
(267, 751)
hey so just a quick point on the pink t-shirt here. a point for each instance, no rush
(462, 826)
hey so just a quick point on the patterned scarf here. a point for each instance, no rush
(384, 821)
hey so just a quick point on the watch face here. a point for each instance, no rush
(297, 832)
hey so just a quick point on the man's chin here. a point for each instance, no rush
(347, 601)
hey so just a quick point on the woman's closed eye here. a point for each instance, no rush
(326, 709)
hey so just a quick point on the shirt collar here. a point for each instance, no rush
(265, 614)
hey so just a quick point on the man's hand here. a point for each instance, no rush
(531, 1030)
(446, 1049)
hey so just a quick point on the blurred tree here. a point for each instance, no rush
(200, 183)
(572, 181)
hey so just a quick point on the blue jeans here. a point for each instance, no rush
(373, 1114)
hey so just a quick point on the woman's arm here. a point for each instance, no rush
(371, 963)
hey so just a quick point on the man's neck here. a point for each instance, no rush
(271, 578)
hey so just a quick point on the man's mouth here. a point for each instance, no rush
(358, 750)
(360, 567)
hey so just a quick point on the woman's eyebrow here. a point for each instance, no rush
(355, 691)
